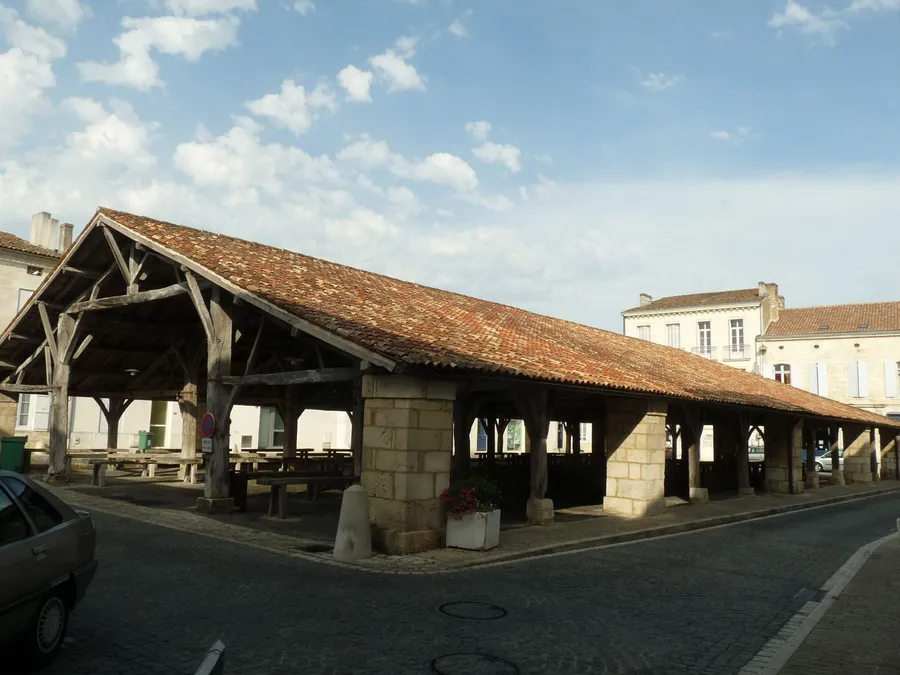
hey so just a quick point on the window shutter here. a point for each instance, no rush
(769, 371)
(41, 412)
(863, 369)
(796, 374)
(852, 380)
(890, 379)
(813, 378)
(822, 378)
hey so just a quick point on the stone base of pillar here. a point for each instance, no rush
(539, 511)
(888, 474)
(622, 506)
(857, 476)
(812, 480)
(56, 478)
(215, 505)
(837, 477)
(398, 542)
(699, 496)
(746, 492)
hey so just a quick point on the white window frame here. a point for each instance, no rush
(783, 373)
(644, 332)
(704, 329)
(583, 431)
(673, 335)
(30, 413)
(736, 330)
(20, 302)
(858, 379)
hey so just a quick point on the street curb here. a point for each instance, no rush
(668, 530)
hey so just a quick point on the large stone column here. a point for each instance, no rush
(857, 449)
(784, 456)
(690, 443)
(534, 406)
(889, 455)
(876, 454)
(407, 446)
(835, 438)
(636, 466)
(812, 475)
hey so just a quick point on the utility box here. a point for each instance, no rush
(12, 453)
(143, 441)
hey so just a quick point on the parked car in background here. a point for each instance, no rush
(46, 565)
(823, 458)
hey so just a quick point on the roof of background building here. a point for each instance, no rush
(740, 296)
(423, 326)
(863, 318)
(13, 243)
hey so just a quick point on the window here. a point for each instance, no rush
(13, 526)
(673, 335)
(33, 412)
(33, 271)
(24, 294)
(644, 332)
(737, 337)
(818, 379)
(783, 373)
(24, 418)
(560, 441)
(481, 442)
(858, 379)
(704, 337)
(42, 513)
(246, 441)
(583, 431)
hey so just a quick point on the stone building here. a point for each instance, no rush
(144, 310)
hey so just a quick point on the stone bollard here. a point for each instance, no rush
(354, 536)
(898, 524)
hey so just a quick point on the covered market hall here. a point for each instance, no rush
(139, 308)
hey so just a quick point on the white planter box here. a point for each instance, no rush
(476, 531)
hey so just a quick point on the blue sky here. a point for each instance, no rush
(563, 156)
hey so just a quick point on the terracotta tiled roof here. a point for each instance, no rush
(422, 326)
(14, 243)
(740, 296)
(864, 318)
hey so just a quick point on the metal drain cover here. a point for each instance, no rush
(473, 664)
(478, 611)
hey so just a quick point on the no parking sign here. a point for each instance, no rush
(207, 427)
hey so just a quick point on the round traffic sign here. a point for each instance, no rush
(207, 425)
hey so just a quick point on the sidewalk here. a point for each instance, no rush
(858, 635)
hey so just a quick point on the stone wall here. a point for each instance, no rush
(888, 464)
(857, 454)
(784, 456)
(636, 446)
(407, 443)
(7, 415)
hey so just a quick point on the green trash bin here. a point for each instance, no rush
(143, 441)
(12, 453)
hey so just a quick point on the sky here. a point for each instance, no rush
(560, 156)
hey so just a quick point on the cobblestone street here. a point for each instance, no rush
(700, 603)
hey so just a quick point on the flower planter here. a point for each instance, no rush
(479, 531)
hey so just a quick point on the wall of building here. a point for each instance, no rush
(720, 330)
(14, 277)
(832, 357)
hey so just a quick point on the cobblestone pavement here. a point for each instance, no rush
(858, 634)
(700, 603)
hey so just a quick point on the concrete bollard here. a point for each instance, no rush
(898, 524)
(354, 536)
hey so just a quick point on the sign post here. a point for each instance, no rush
(207, 428)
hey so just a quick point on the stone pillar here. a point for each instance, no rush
(876, 454)
(889, 456)
(812, 475)
(598, 458)
(535, 412)
(857, 449)
(463, 419)
(784, 456)
(743, 458)
(690, 444)
(407, 452)
(636, 467)
(836, 439)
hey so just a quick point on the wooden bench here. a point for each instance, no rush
(149, 464)
(278, 495)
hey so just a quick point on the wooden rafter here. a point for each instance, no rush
(292, 377)
(128, 299)
(117, 254)
(200, 305)
(48, 329)
(250, 363)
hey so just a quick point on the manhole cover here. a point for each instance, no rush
(473, 664)
(480, 611)
(315, 548)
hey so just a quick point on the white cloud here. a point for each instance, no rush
(544, 159)
(26, 73)
(304, 7)
(239, 160)
(204, 7)
(736, 137)
(505, 155)
(67, 14)
(544, 189)
(479, 131)
(184, 35)
(822, 26)
(404, 201)
(720, 34)
(293, 107)
(444, 168)
(392, 67)
(661, 81)
(116, 137)
(458, 27)
(357, 83)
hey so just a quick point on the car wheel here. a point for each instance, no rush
(47, 630)
(819, 467)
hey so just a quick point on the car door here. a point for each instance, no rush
(20, 589)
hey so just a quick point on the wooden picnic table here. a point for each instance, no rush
(314, 483)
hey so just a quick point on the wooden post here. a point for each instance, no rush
(358, 421)
(291, 418)
(463, 417)
(113, 414)
(502, 425)
(188, 403)
(690, 439)
(535, 408)
(59, 398)
(743, 455)
(489, 424)
(576, 438)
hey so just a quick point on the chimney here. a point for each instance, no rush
(65, 236)
(645, 299)
(771, 303)
(44, 230)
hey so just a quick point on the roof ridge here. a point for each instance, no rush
(846, 304)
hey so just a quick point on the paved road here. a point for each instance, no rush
(700, 603)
